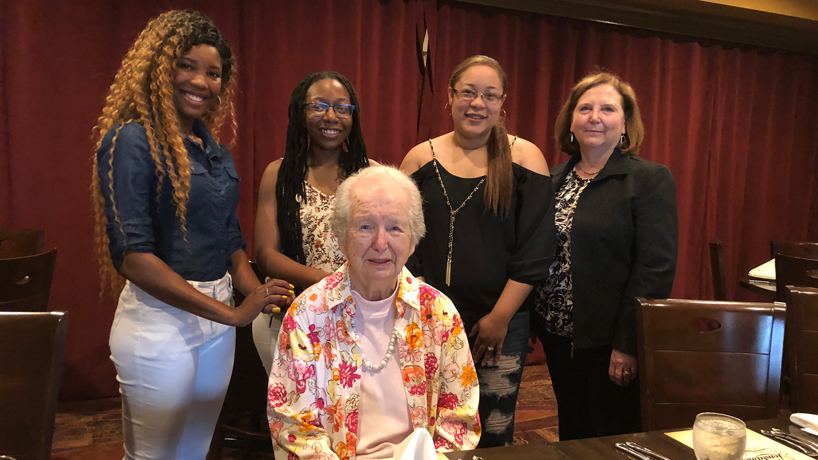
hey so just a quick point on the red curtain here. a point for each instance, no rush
(733, 123)
(57, 60)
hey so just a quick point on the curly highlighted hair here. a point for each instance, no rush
(142, 92)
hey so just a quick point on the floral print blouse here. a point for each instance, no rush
(314, 386)
(554, 299)
(320, 246)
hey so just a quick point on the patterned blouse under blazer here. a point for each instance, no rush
(315, 381)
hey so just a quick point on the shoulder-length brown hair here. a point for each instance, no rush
(634, 129)
(499, 178)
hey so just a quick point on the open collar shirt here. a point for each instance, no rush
(315, 382)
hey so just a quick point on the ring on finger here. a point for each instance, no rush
(489, 348)
(626, 372)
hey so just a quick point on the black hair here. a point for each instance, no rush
(290, 191)
(204, 32)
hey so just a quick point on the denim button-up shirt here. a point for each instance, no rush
(151, 226)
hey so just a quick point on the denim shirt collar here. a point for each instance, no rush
(211, 147)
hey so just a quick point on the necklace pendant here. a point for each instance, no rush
(449, 271)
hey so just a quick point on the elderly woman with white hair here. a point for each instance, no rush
(371, 353)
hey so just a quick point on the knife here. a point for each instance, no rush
(645, 450)
(623, 447)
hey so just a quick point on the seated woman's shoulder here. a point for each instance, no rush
(528, 155)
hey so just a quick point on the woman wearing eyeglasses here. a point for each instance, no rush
(297, 193)
(488, 206)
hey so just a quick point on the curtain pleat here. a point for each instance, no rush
(731, 122)
(735, 124)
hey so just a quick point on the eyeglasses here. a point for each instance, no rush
(321, 108)
(469, 95)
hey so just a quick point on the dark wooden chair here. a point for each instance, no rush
(20, 243)
(794, 271)
(791, 271)
(25, 282)
(243, 419)
(802, 249)
(699, 356)
(718, 270)
(802, 331)
(31, 357)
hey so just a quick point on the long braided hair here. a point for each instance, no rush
(142, 92)
(290, 191)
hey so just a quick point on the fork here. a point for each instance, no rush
(785, 438)
(803, 440)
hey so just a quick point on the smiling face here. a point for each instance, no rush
(475, 118)
(379, 239)
(327, 132)
(598, 120)
(198, 83)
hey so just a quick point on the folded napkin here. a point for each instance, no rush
(765, 271)
(807, 422)
(418, 446)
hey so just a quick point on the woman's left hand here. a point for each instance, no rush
(622, 370)
(281, 294)
(491, 332)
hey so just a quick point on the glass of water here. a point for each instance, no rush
(719, 437)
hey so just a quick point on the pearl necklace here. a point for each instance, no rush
(377, 367)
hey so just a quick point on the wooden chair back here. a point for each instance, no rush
(718, 270)
(699, 356)
(802, 249)
(31, 357)
(25, 282)
(794, 271)
(20, 243)
(802, 334)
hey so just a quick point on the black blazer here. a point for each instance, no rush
(624, 243)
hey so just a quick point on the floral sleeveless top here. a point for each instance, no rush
(321, 249)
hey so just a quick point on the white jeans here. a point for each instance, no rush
(173, 369)
(265, 336)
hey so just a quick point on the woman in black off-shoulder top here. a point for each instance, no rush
(488, 205)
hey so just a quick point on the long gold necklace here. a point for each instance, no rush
(452, 213)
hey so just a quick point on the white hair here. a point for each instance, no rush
(387, 175)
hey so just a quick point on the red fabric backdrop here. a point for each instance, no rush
(58, 60)
(732, 123)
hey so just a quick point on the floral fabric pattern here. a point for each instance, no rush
(554, 299)
(320, 246)
(314, 387)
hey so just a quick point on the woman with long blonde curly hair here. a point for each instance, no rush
(165, 195)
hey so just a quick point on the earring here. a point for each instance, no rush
(446, 108)
(503, 114)
(218, 106)
(622, 139)
(572, 137)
